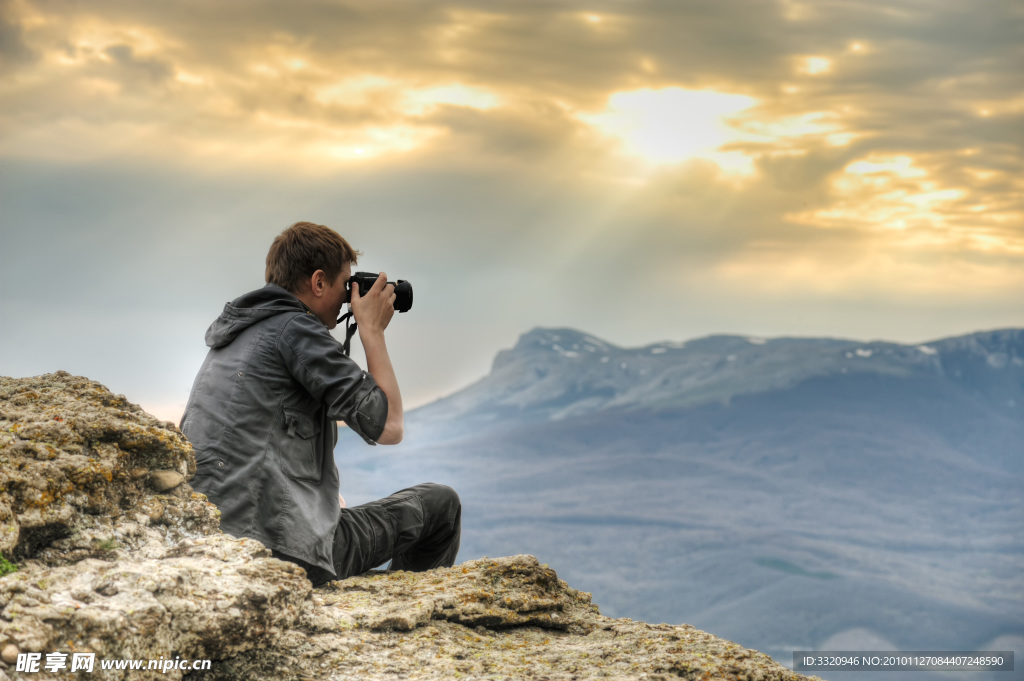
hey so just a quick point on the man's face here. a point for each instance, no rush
(335, 296)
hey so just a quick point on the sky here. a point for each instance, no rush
(641, 171)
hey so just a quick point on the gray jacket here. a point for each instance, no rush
(262, 415)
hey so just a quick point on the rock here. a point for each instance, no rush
(68, 449)
(162, 481)
(133, 567)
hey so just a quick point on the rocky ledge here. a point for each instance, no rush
(115, 555)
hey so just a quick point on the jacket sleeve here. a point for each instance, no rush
(314, 357)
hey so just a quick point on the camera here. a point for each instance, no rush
(403, 289)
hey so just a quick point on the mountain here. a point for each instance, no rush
(789, 493)
(554, 374)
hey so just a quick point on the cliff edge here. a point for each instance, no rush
(116, 556)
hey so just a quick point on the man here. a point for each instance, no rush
(263, 410)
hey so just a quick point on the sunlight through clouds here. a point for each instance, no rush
(818, 146)
(673, 124)
(815, 66)
(373, 142)
(896, 194)
(795, 134)
(417, 102)
(883, 166)
(357, 91)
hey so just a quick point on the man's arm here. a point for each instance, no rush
(373, 312)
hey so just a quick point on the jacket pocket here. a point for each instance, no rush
(301, 455)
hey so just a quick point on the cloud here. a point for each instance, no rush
(531, 161)
(328, 72)
(150, 69)
(13, 50)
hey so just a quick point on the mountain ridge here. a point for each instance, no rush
(555, 373)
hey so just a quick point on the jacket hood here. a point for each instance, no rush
(249, 309)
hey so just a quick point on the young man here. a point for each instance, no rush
(263, 410)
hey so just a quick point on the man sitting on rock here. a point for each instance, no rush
(263, 410)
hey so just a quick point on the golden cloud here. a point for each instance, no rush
(804, 119)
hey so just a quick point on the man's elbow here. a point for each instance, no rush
(392, 434)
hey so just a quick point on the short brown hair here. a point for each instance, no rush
(301, 250)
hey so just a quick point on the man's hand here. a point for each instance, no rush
(341, 501)
(373, 309)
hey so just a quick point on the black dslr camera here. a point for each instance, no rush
(403, 289)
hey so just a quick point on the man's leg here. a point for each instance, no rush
(418, 528)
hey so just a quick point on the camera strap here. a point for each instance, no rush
(350, 330)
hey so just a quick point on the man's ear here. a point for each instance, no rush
(318, 283)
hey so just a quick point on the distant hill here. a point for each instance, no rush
(553, 374)
(870, 491)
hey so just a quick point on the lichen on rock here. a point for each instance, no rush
(69, 451)
(118, 556)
